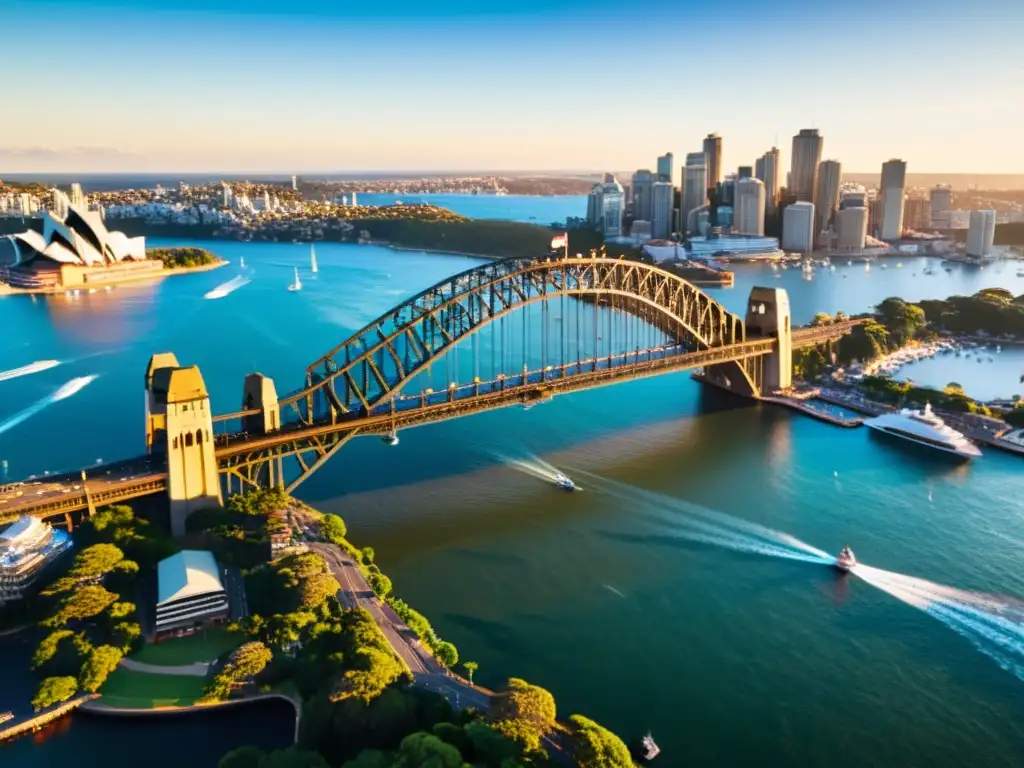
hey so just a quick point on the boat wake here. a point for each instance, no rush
(227, 288)
(63, 393)
(993, 624)
(532, 465)
(27, 370)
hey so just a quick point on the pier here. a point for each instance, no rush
(21, 726)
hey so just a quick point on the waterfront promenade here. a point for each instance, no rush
(21, 726)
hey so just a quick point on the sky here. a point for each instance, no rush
(295, 86)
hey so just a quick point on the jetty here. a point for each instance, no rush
(21, 726)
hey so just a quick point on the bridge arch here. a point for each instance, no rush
(373, 365)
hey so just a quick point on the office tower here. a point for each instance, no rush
(606, 206)
(851, 227)
(662, 195)
(767, 170)
(744, 172)
(981, 234)
(695, 187)
(917, 212)
(894, 177)
(826, 195)
(61, 203)
(77, 196)
(266, 200)
(748, 213)
(713, 150)
(727, 191)
(25, 202)
(803, 175)
(643, 189)
(665, 167)
(942, 204)
(353, 202)
(798, 227)
(226, 196)
(295, 183)
(853, 197)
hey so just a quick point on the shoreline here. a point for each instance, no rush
(7, 290)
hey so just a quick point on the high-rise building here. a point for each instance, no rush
(894, 180)
(606, 206)
(662, 197)
(981, 234)
(643, 191)
(727, 190)
(61, 204)
(803, 175)
(226, 196)
(713, 150)
(942, 203)
(826, 194)
(917, 212)
(77, 196)
(767, 170)
(665, 167)
(744, 172)
(748, 212)
(295, 183)
(853, 196)
(695, 186)
(851, 228)
(798, 227)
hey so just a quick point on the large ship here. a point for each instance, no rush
(925, 428)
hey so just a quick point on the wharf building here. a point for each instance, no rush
(798, 227)
(27, 546)
(190, 594)
(981, 234)
(803, 174)
(606, 206)
(76, 250)
(894, 179)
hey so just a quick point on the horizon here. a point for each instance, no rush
(538, 86)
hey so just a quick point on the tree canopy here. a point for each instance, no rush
(332, 529)
(596, 747)
(54, 690)
(526, 704)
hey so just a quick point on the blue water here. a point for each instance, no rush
(620, 599)
(528, 208)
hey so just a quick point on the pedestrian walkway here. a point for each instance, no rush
(198, 669)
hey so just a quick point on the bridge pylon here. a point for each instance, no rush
(768, 316)
(260, 393)
(179, 426)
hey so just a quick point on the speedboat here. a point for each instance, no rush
(391, 438)
(565, 483)
(650, 749)
(297, 285)
(846, 560)
(924, 428)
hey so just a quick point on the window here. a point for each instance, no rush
(175, 443)
(188, 439)
(199, 437)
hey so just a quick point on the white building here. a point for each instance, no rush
(894, 182)
(851, 228)
(26, 546)
(942, 203)
(798, 227)
(748, 212)
(695, 187)
(606, 205)
(77, 196)
(826, 195)
(190, 594)
(981, 234)
(61, 204)
(80, 239)
(766, 168)
(733, 248)
(662, 195)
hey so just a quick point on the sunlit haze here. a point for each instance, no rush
(196, 85)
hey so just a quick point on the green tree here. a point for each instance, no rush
(83, 603)
(1015, 418)
(121, 610)
(821, 318)
(316, 589)
(293, 757)
(470, 667)
(101, 662)
(527, 704)
(490, 746)
(332, 529)
(243, 757)
(424, 750)
(95, 561)
(446, 653)
(54, 690)
(370, 758)
(125, 634)
(380, 584)
(248, 660)
(47, 648)
(368, 554)
(902, 320)
(597, 747)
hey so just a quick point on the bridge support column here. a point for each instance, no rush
(180, 419)
(768, 316)
(90, 508)
(259, 392)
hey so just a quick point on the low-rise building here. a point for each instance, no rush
(190, 593)
(26, 546)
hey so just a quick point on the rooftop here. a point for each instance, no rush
(190, 573)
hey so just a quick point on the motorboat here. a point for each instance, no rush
(650, 750)
(565, 482)
(924, 428)
(845, 560)
(312, 259)
(391, 438)
(297, 285)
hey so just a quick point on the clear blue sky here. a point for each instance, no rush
(301, 85)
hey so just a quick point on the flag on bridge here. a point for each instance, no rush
(562, 241)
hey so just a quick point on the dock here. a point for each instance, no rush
(22, 726)
(800, 404)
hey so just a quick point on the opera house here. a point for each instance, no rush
(76, 251)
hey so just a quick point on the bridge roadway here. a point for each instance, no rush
(54, 495)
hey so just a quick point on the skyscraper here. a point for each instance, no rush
(851, 228)
(695, 186)
(295, 183)
(767, 170)
(981, 234)
(662, 194)
(798, 227)
(77, 196)
(643, 191)
(826, 195)
(894, 178)
(606, 206)
(748, 215)
(917, 211)
(713, 150)
(803, 175)
(665, 167)
(942, 204)
(744, 172)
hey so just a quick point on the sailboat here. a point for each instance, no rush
(241, 263)
(312, 259)
(297, 285)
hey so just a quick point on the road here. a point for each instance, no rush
(427, 671)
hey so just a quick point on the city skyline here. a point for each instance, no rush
(308, 86)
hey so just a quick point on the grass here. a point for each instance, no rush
(126, 689)
(202, 646)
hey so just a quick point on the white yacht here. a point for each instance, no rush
(297, 285)
(924, 428)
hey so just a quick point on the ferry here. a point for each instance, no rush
(925, 428)
(565, 483)
(846, 560)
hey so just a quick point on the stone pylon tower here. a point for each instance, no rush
(179, 426)
(768, 315)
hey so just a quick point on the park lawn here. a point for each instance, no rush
(127, 689)
(179, 651)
